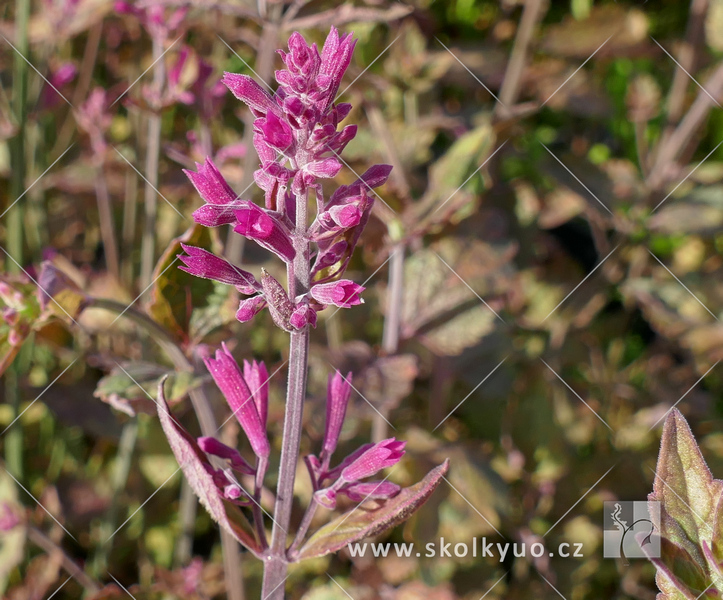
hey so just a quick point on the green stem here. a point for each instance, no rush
(153, 150)
(119, 478)
(14, 437)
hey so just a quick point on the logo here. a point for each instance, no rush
(628, 530)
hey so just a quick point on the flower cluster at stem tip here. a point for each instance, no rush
(296, 135)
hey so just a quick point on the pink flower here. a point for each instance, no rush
(380, 456)
(338, 391)
(366, 461)
(257, 378)
(249, 308)
(343, 293)
(202, 263)
(257, 224)
(228, 377)
(221, 201)
(214, 447)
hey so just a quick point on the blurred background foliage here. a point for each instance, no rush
(543, 271)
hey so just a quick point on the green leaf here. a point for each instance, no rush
(714, 25)
(371, 518)
(456, 169)
(12, 542)
(194, 462)
(438, 307)
(127, 389)
(21, 315)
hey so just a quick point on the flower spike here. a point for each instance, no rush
(228, 377)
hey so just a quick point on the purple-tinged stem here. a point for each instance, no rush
(298, 274)
(309, 514)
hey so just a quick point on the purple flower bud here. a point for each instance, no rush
(343, 293)
(326, 497)
(210, 184)
(202, 263)
(276, 132)
(371, 178)
(232, 491)
(338, 391)
(256, 224)
(371, 490)
(211, 445)
(333, 474)
(326, 168)
(330, 256)
(278, 301)
(335, 59)
(257, 377)
(10, 315)
(249, 308)
(227, 375)
(251, 93)
(344, 216)
(15, 338)
(380, 456)
(215, 215)
(302, 316)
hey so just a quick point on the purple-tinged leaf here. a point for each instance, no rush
(371, 518)
(194, 464)
(684, 485)
(678, 576)
(60, 293)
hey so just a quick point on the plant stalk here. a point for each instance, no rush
(14, 438)
(153, 150)
(392, 326)
(299, 276)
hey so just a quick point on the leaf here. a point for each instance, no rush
(193, 462)
(12, 542)
(678, 575)
(684, 485)
(439, 307)
(690, 513)
(60, 293)
(455, 169)
(175, 293)
(700, 211)
(127, 388)
(371, 518)
(714, 25)
(21, 314)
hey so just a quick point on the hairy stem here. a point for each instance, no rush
(299, 276)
